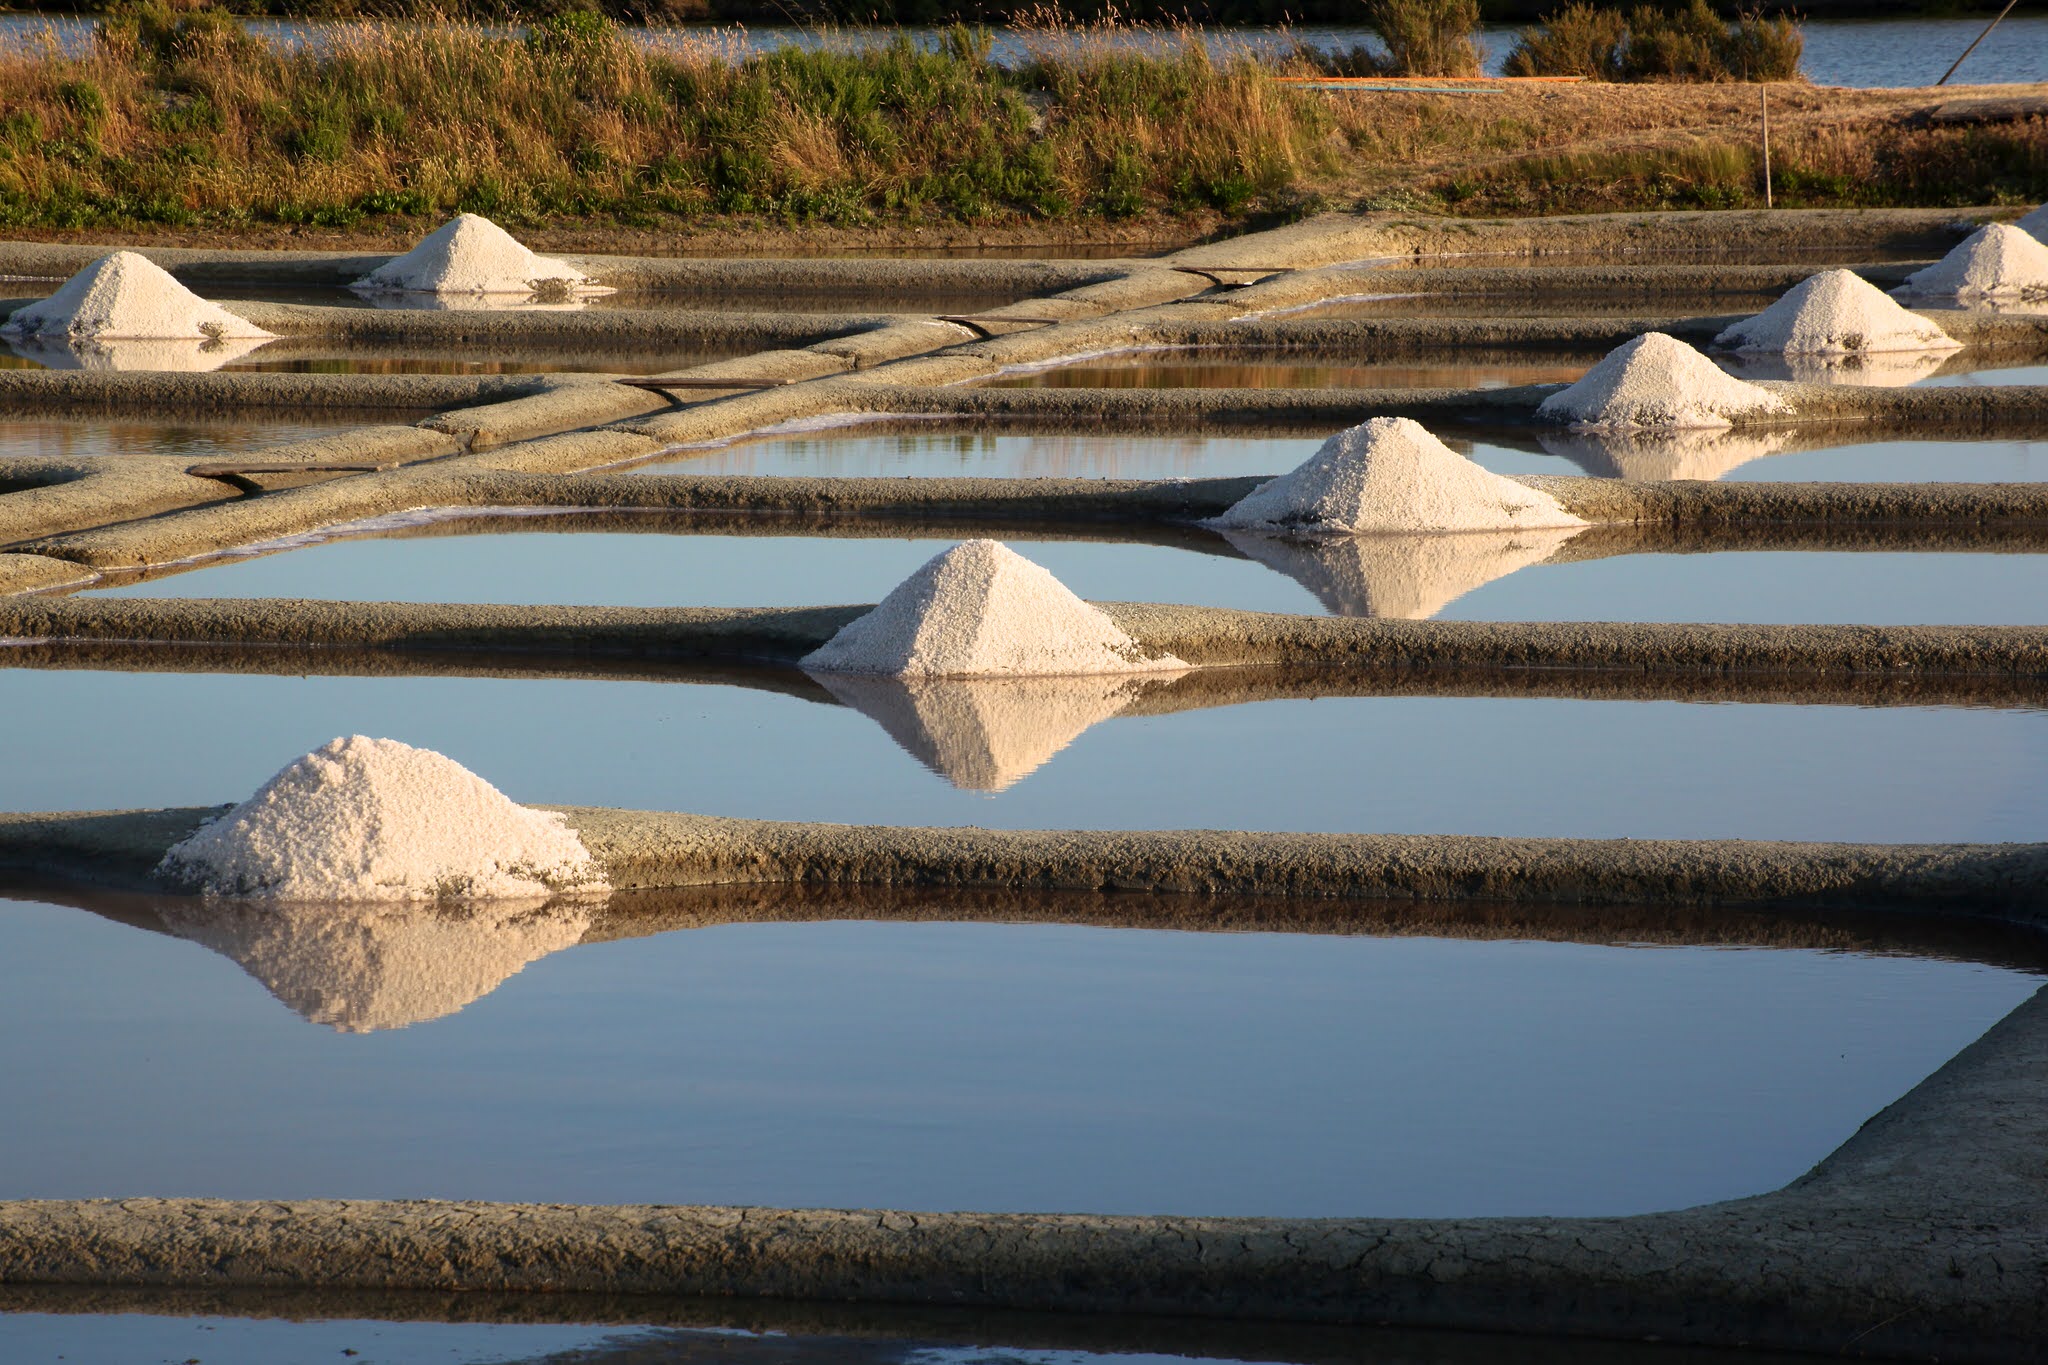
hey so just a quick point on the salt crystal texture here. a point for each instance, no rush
(473, 255)
(987, 734)
(982, 610)
(1836, 312)
(1657, 381)
(1996, 261)
(127, 297)
(360, 968)
(2035, 224)
(1403, 577)
(1390, 474)
(362, 819)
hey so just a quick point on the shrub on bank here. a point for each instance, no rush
(1692, 43)
(176, 121)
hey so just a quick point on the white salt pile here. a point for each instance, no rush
(1403, 577)
(1836, 312)
(126, 296)
(1390, 474)
(1657, 381)
(473, 255)
(360, 968)
(1996, 261)
(987, 734)
(362, 819)
(983, 610)
(2035, 224)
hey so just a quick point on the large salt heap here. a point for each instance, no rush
(127, 297)
(987, 734)
(1835, 313)
(2035, 224)
(1657, 381)
(1998, 261)
(364, 967)
(1390, 474)
(982, 610)
(362, 819)
(473, 255)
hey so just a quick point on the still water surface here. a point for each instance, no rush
(1071, 754)
(950, 1066)
(1505, 576)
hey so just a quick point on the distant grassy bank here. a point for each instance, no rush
(184, 122)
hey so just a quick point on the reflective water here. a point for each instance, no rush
(187, 438)
(937, 448)
(1672, 305)
(1110, 755)
(294, 356)
(1193, 368)
(1875, 52)
(797, 1065)
(1509, 576)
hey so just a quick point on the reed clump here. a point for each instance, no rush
(1648, 43)
(180, 119)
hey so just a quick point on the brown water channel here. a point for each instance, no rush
(940, 447)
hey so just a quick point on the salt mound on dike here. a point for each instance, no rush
(981, 610)
(1835, 313)
(473, 255)
(1390, 474)
(1998, 260)
(1657, 381)
(127, 297)
(987, 734)
(361, 968)
(1411, 577)
(2035, 224)
(362, 819)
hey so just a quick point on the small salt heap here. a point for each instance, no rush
(127, 297)
(2035, 224)
(1390, 474)
(473, 255)
(1998, 261)
(364, 967)
(982, 610)
(363, 819)
(1836, 312)
(1657, 381)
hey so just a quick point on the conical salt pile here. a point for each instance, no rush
(1390, 474)
(1409, 578)
(987, 734)
(2035, 224)
(1835, 312)
(360, 968)
(127, 297)
(1996, 261)
(1657, 381)
(473, 255)
(982, 610)
(363, 819)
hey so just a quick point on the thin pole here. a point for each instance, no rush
(1765, 89)
(1980, 38)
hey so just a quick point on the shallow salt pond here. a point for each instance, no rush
(1198, 368)
(1508, 576)
(1107, 753)
(938, 448)
(796, 1064)
(188, 438)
